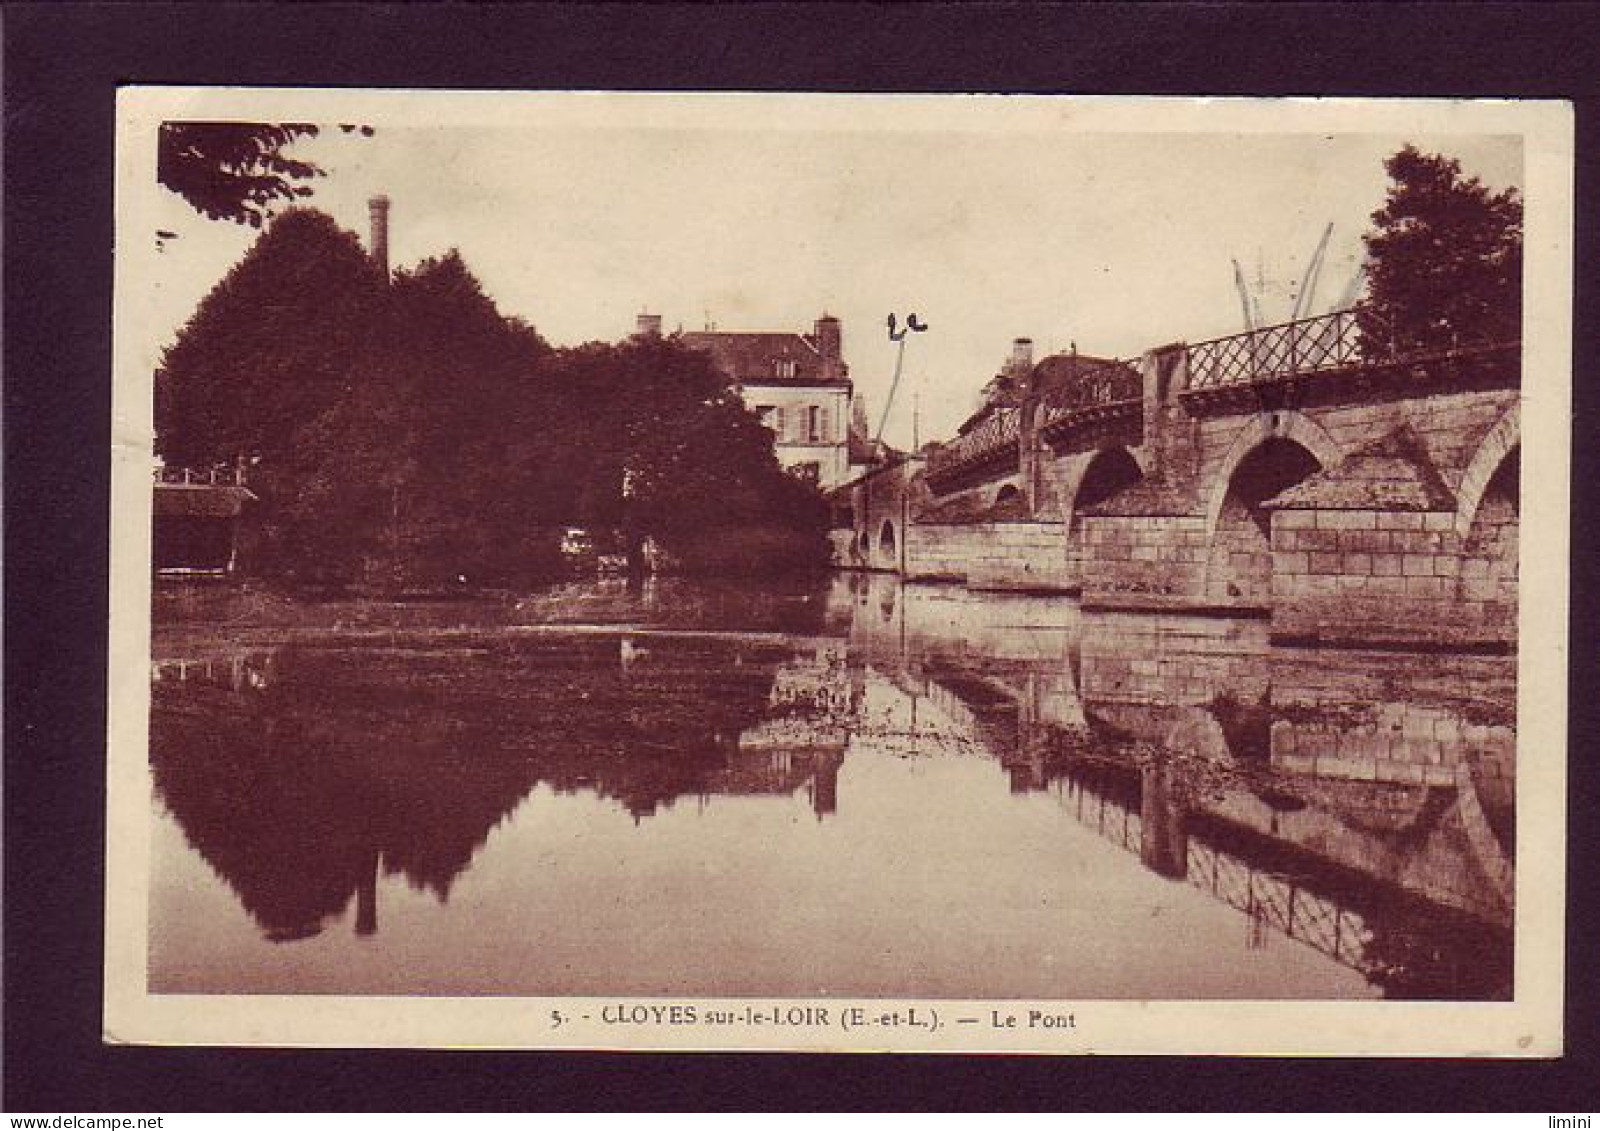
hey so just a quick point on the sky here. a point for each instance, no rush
(1114, 241)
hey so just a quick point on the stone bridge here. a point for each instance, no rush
(1282, 772)
(1296, 472)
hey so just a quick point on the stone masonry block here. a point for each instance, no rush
(1427, 588)
(1291, 563)
(1295, 763)
(1399, 520)
(1365, 541)
(1345, 520)
(1351, 768)
(1388, 586)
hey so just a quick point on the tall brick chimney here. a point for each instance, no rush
(1021, 357)
(378, 213)
(828, 335)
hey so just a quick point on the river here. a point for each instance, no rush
(847, 788)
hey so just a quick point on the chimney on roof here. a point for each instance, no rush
(1021, 357)
(378, 214)
(647, 326)
(828, 336)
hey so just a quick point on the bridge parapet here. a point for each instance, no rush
(1332, 347)
(992, 441)
(1343, 342)
(1309, 345)
(1114, 386)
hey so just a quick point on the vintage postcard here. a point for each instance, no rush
(824, 572)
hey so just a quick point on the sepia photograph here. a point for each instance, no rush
(839, 572)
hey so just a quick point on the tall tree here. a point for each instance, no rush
(271, 347)
(1445, 260)
(411, 434)
(467, 376)
(678, 457)
(407, 477)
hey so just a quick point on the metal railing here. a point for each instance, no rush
(1278, 901)
(1340, 340)
(1114, 382)
(1003, 428)
(1328, 341)
(226, 475)
(1268, 898)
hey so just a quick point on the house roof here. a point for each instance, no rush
(751, 357)
(1392, 473)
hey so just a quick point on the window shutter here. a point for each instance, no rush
(780, 422)
(823, 434)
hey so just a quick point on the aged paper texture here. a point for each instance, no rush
(821, 572)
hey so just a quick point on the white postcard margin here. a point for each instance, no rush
(1528, 1026)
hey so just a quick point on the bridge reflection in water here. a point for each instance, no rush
(444, 794)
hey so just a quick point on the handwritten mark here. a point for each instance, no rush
(914, 325)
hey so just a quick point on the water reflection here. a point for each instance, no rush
(958, 758)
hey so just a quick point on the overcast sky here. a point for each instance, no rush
(1115, 241)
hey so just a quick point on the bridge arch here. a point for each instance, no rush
(1286, 425)
(1504, 438)
(1489, 545)
(1105, 472)
(1239, 549)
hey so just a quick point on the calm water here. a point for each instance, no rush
(862, 789)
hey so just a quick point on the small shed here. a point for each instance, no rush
(196, 522)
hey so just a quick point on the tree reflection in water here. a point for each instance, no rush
(310, 772)
(412, 756)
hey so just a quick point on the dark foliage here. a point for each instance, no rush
(1445, 261)
(674, 455)
(410, 435)
(270, 347)
(234, 170)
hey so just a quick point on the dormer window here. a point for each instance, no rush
(785, 367)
